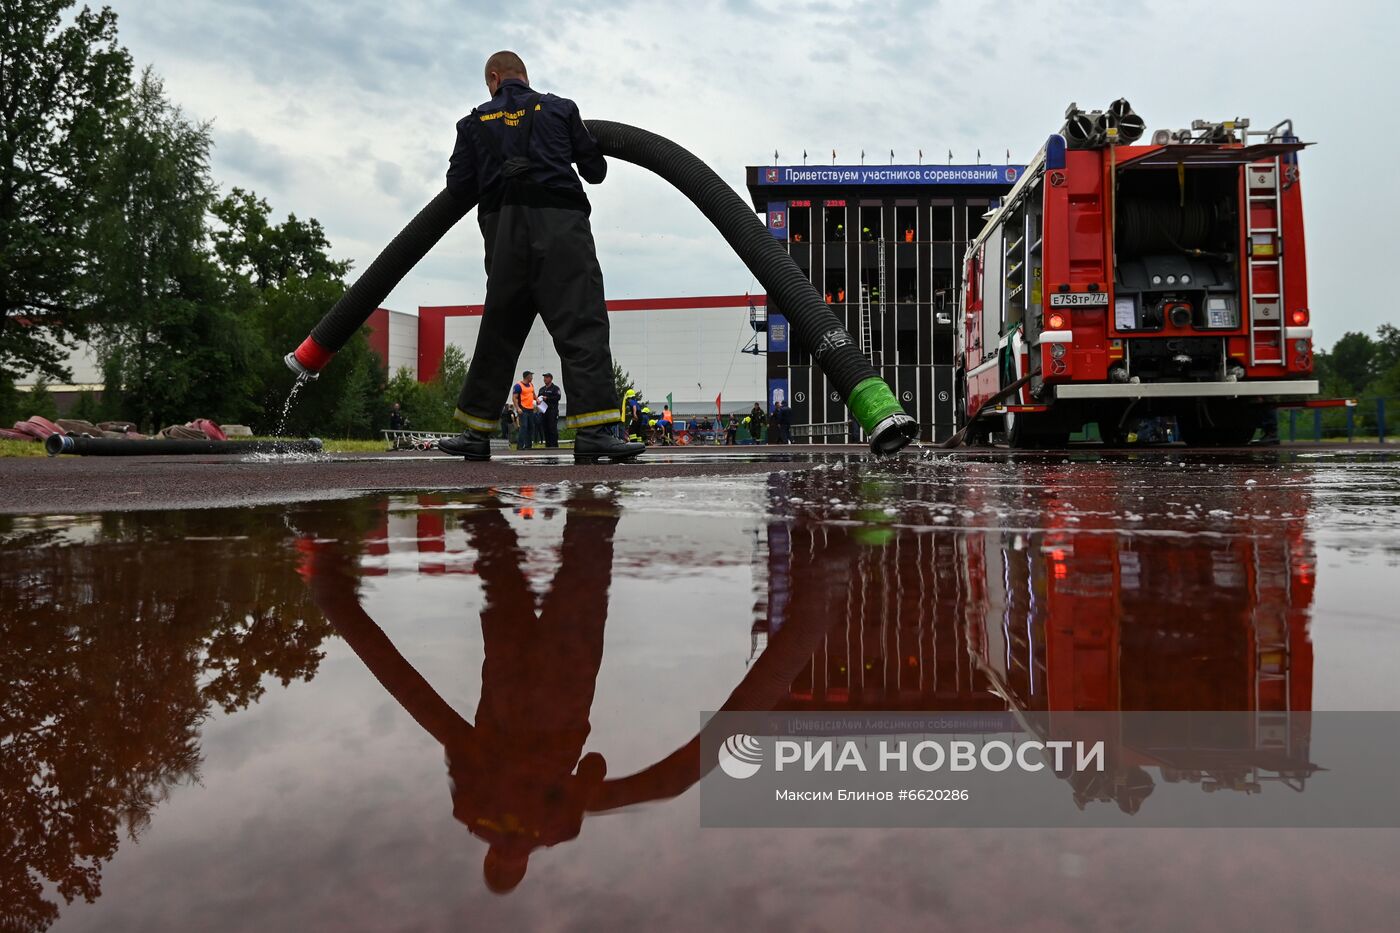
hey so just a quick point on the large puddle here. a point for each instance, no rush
(326, 716)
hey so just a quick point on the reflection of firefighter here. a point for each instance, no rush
(519, 778)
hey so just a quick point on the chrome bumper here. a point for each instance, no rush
(1246, 389)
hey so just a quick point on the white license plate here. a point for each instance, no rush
(1079, 299)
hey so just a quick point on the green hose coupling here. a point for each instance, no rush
(877, 410)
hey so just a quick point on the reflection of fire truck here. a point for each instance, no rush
(1096, 622)
(1124, 281)
(895, 640)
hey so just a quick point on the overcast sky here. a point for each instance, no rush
(343, 110)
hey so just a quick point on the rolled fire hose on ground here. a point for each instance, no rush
(816, 327)
(116, 447)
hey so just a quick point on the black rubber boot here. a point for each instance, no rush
(601, 443)
(473, 445)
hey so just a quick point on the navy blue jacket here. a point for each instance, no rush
(552, 394)
(558, 140)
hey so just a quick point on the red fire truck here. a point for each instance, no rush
(1120, 281)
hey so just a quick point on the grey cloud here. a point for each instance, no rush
(832, 55)
(317, 99)
(245, 154)
(389, 177)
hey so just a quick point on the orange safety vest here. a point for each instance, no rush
(527, 396)
(909, 236)
(666, 416)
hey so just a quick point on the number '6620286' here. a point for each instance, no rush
(939, 794)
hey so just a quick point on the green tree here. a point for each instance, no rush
(9, 402)
(354, 414)
(86, 408)
(61, 89)
(249, 244)
(1387, 345)
(429, 406)
(447, 385)
(184, 350)
(116, 654)
(416, 400)
(622, 381)
(284, 273)
(282, 318)
(38, 401)
(1352, 361)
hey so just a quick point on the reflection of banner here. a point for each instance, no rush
(890, 175)
(777, 333)
(777, 219)
(777, 392)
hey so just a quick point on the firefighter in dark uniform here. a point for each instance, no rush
(551, 395)
(515, 157)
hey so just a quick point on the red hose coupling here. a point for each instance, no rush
(309, 359)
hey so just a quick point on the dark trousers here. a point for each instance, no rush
(528, 432)
(541, 261)
(551, 428)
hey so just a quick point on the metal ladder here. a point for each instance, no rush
(1272, 655)
(865, 348)
(880, 309)
(1264, 262)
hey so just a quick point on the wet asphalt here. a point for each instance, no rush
(337, 714)
(89, 484)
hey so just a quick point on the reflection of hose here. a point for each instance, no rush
(832, 348)
(809, 619)
(331, 576)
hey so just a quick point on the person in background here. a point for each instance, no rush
(551, 396)
(397, 421)
(731, 432)
(782, 416)
(522, 402)
(507, 420)
(668, 424)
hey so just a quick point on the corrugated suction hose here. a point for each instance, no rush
(813, 323)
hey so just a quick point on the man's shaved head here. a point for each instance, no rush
(502, 65)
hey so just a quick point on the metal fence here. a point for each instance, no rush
(838, 429)
(1367, 418)
(413, 440)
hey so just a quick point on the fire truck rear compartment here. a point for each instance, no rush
(1176, 260)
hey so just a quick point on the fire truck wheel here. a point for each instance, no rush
(1025, 434)
(1232, 427)
(1112, 435)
